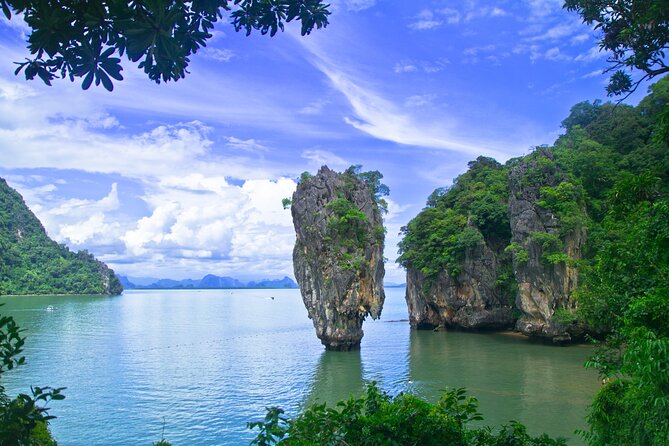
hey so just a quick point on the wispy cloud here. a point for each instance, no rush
(405, 67)
(218, 54)
(380, 118)
(429, 67)
(595, 73)
(419, 100)
(592, 54)
(320, 158)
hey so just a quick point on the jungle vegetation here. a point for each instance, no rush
(32, 263)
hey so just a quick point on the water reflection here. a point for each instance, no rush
(338, 375)
(544, 387)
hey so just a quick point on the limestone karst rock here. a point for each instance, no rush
(544, 288)
(471, 300)
(498, 250)
(338, 255)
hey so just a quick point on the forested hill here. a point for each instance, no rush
(572, 235)
(32, 263)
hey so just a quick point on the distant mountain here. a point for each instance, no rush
(209, 281)
(286, 282)
(125, 282)
(32, 263)
(394, 285)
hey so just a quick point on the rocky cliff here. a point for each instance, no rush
(472, 300)
(457, 269)
(545, 273)
(338, 255)
(498, 250)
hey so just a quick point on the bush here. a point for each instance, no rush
(376, 418)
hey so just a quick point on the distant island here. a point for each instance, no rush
(209, 281)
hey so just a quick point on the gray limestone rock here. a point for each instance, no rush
(472, 301)
(544, 289)
(338, 261)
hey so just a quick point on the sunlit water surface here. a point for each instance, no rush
(201, 364)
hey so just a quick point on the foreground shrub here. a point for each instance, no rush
(376, 418)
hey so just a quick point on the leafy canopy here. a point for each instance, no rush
(636, 32)
(88, 39)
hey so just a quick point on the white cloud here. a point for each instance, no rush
(452, 16)
(555, 54)
(247, 145)
(425, 24)
(429, 67)
(473, 51)
(428, 19)
(95, 230)
(595, 73)
(314, 108)
(425, 20)
(484, 12)
(405, 68)
(194, 216)
(320, 158)
(12, 91)
(74, 221)
(419, 100)
(382, 119)
(217, 54)
(540, 9)
(592, 54)
(580, 38)
(558, 32)
(358, 5)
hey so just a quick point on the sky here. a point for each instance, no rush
(184, 179)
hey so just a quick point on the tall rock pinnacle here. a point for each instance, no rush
(338, 255)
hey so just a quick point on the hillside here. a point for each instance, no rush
(523, 244)
(32, 263)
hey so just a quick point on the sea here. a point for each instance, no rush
(195, 366)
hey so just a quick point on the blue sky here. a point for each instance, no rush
(184, 179)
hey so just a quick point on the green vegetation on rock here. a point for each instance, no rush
(348, 227)
(606, 177)
(32, 263)
(458, 218)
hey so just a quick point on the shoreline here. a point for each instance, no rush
(54, 295)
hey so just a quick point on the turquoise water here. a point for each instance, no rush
(204, 362)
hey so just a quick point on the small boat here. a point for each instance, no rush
(50, 308)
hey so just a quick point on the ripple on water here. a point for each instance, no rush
(205, 363)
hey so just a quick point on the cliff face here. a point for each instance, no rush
(338, 255)
(544, 287)
(32, 263)
(471, 300)
(498, 250)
